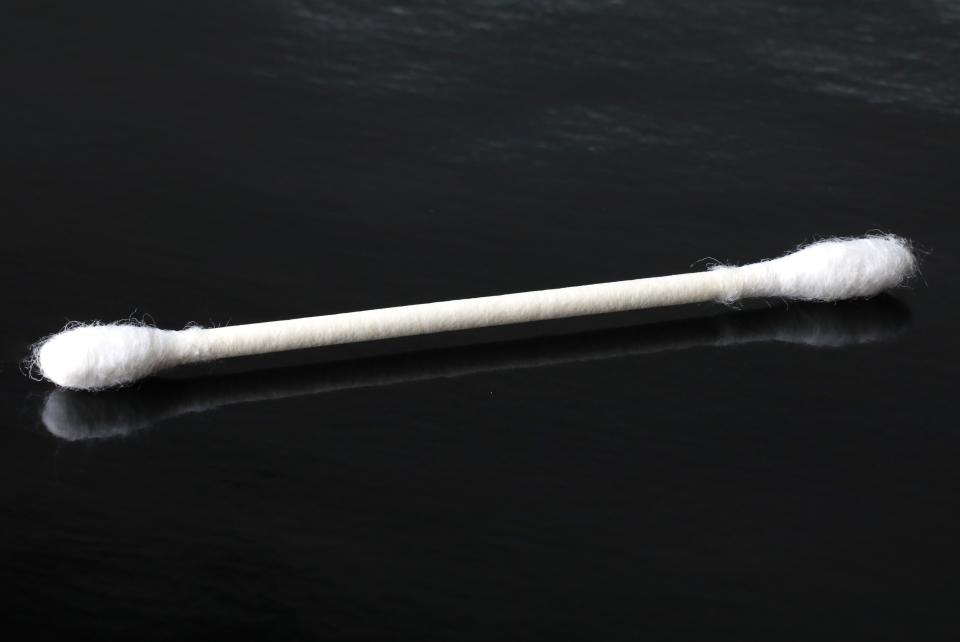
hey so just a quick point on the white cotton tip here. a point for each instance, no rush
(92, 357)
(830, 270)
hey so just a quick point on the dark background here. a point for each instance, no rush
(666, 474)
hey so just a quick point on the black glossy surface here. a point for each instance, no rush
(775, 472)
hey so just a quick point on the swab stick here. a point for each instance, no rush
(97, 356)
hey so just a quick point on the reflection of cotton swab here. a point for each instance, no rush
(74, 415)
(90, 357)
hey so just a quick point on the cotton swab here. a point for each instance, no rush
(93, 357)
(74, 415)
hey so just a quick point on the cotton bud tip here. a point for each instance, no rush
(831, 270)
(92, 357)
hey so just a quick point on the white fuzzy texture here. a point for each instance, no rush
(96, 356)
(92, 357)
(830, 270)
